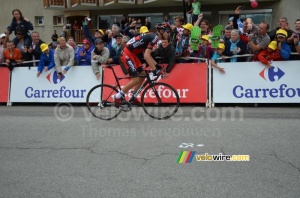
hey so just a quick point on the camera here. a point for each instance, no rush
(296, 35)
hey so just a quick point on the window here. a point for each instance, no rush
(58, 20)
(39, 20)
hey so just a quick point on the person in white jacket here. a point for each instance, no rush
(63, 56)
(99, 56)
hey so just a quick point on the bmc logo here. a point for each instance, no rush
(53, 78)
(272, 74)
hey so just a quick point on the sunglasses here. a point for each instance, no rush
(99, 43)
(86, 44)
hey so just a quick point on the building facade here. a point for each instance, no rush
(49, 15)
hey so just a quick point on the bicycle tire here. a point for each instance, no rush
(158, 107)
(100, 103)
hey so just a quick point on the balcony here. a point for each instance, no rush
(75, 3)
(55, 4)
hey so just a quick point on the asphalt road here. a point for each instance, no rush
(64, 152)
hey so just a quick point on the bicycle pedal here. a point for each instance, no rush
(125, 106)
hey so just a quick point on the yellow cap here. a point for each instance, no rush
(273, 45)
(188, 26)
(144, 29)
(282, 32)
(205, 37)
(101, 31)
(44, 47)
(221, 46)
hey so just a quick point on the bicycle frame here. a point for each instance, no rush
(148, 81)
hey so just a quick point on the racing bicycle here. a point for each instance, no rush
(159, 100)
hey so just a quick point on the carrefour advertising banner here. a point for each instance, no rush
(72, 87)
(189, 80)
(254, 83)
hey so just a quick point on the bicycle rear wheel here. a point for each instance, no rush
(100, 102)
(160, 101)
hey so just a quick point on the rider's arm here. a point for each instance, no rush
(151, 62)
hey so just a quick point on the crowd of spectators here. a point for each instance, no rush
(241, 36)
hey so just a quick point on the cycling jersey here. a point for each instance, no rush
(134, 47)
(142, 42)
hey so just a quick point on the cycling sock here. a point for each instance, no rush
(120, 94)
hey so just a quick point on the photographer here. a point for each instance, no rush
(86, 31)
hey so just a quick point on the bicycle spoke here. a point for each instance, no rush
(100, 102)
(160, 101)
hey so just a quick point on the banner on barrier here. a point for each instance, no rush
(252, 82)
(190, 81)
(4, 84)
(73, 86)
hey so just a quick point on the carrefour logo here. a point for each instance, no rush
(53, 78)
(272, 74)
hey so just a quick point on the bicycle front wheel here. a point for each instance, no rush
(160, 101)
(100, 102)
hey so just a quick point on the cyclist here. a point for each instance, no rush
(136, 46)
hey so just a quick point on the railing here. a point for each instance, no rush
(79, 2)
(49, 3)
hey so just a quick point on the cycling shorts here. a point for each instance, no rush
(131, 62)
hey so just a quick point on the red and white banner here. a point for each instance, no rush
(4, 84)
(252, 82)
(190, 81)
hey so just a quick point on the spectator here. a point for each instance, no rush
(21, 45)
(296, 43)
(20, 22)
(182, 46)
(282, 24)
(12, 55)
(176, 30)
(83, 55)
(235, 46)
(189, 11)
(218, 54)
(230, 21)
(204, 50)
(204, 25)
(269, 54)
(136, 27)
(196, 10)
(2, 46)
(86, 32)
(63, 56)
(166, 54)
(34, 51)
(168, 20)
(109, 37)
(54, 38)
(47, 59)
(100, 56)
(76, 26)
(227, 34)
(258, 41)
(114, 51)
(72, 43)
(124, 21)
(116, 22)
(147, 23)
(283, 47)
